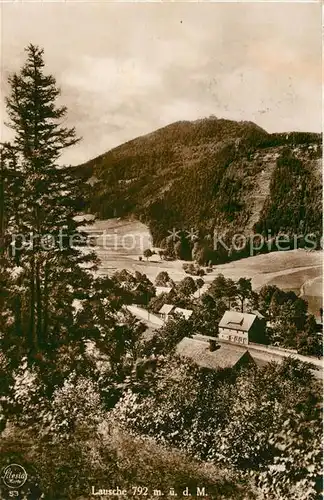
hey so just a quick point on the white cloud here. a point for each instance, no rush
(126, 69)
(108, 76)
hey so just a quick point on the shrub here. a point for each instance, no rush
(295, 472)
(76, 403)
(163, 279)
(148, 253)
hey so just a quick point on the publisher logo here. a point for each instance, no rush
(14, 476)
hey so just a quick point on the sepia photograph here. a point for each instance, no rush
(161, 250)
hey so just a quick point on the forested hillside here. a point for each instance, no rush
(211, 174)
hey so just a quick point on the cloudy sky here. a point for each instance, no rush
(126, 69)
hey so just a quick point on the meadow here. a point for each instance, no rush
(121, 242)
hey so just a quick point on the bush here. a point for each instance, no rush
(77, 403)
(148, 253)
(193, 269)
(263, 423)
(68, 470)
(163, 279)
(296, 469)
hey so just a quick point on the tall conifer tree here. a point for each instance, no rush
(46, 206)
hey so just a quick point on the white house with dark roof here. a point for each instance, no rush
(242, 328)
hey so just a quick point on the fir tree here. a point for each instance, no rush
(45, 232)
(10, 195)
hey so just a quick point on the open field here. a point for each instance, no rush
(120, 243)
(300, 280)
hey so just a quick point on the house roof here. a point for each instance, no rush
(166, 308)
(162, 289)
(198, 293)
(237, 321)
(226, 356)
(186, 312)
(258, 314)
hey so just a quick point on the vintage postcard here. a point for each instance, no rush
(161, 250)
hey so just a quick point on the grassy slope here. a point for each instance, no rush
(287, 269)
(68, 470)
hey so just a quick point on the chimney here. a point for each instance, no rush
(212, 345)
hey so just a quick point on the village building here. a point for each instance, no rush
(200, 292)
(168, 310)
(207, 353)
(210, 353)
(242, 328)
(162, 289)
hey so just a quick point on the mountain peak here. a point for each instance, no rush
(209, 174)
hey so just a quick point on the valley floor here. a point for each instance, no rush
(120, 244)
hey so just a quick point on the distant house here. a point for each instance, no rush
(258, 314)
(185, 312)
(162, 289)
(166, 310)
(171, 310)
(206, 353)
(198, 293)
(242, 328)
